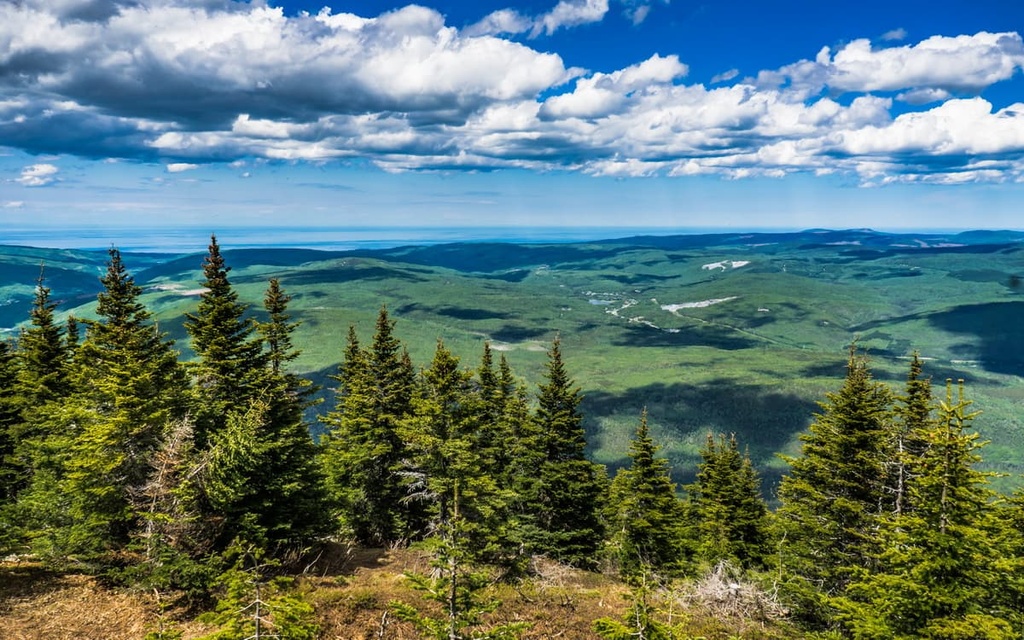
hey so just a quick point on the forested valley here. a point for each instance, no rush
(196, 486)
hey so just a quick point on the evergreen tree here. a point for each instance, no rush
(937, 575)
(570, 490)
(835, 492)
(127, 387)
(45, 428)
(443, 440)
(230, 367)
(10, 417)
(362, 452)
(42, 373)
(729, 515)
(645, 511)
(254, 606)
(277, 331)
(456, 585)
(913, 419)
(640, 622)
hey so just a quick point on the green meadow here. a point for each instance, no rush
(731, 333)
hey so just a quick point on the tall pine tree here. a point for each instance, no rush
(937, 574)
(127, 388)
(645, 513)
(362, 453)
(230, 366)
(834, 494)
(565, 521)
(729, 516)
(10, 416)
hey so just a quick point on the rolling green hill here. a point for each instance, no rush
(734, 333)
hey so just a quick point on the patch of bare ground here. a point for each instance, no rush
(350, 590)
(37, 604)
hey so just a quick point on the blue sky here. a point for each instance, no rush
(669, 113)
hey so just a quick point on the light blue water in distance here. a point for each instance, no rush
(194, 240)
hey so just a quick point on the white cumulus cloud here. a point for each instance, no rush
(38, 175)
(184, 83)
(570, 13)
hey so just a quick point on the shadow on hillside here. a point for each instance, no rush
(894, 373)
(516, 333)
(998, 333)
(694, 336)
(466, 313)
(763, 418)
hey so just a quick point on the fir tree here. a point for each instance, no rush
(43, 433)
(570, 490)
(10, 417)
(277, 331)
(937, 575)
(835, 492)
(42, 372)
(645, 511)
(913, 419)
(443, 440)
(362, 452)
(457, 586)
(127, 386)
(230, 367)
(255, 606)
(730, 518)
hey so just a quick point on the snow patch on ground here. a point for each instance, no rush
(672, 308)
(726, 264)
(176, 288)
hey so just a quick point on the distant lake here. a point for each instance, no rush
(194, 240)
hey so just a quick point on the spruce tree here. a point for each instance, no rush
(645, 512)
(913, 418)
(938, 573)
(729, 516)
(127, 387)
(362, 453)
(277, 331)
(835, 492)
(10, 416)
(570, 490)
(42, 435)
(42, 373)
(443, 438)
(230, 366)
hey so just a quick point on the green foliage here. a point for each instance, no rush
(570, 491)
(10, 416)
(257, 484)
(640, 622)
(835, 493)
(255, 606)
(938, 572)
(230, 368)
(645, 514)
(443, 438)
(127, 386)
(729, 518)
(457, 587)
(362, 453)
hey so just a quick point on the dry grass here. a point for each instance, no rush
(37, 604)
(350, 590)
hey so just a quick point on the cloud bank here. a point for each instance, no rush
(187, 83)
